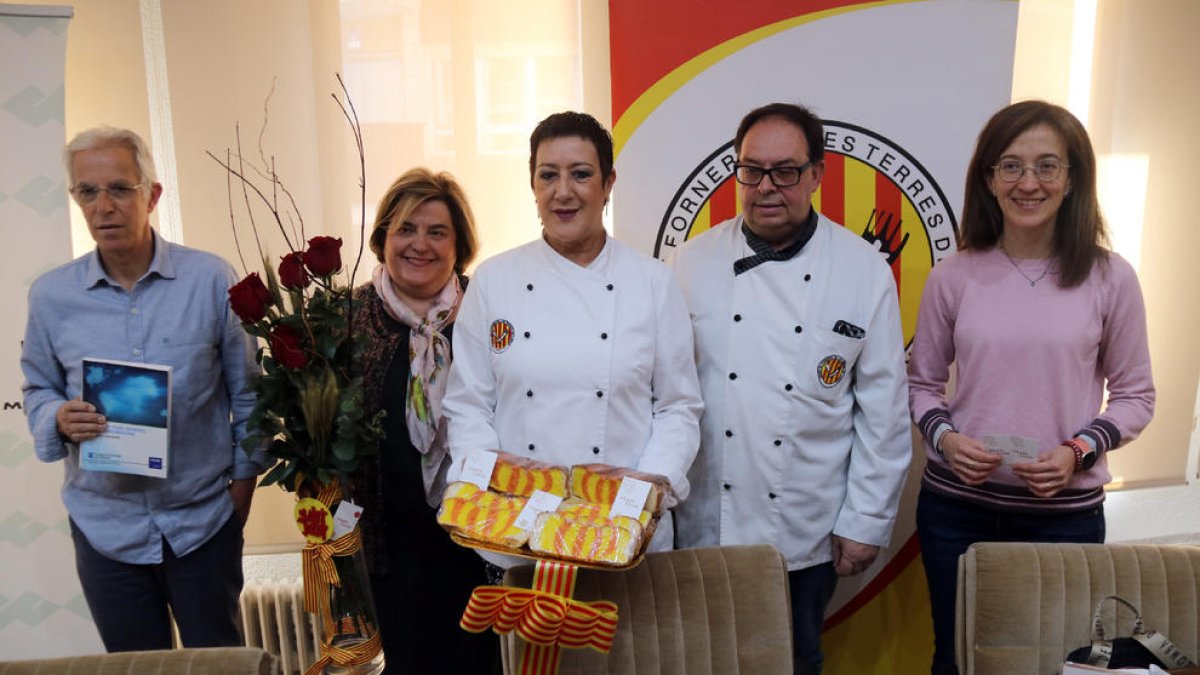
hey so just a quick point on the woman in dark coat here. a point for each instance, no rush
(424, 237)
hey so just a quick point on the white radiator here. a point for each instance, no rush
(273, 618)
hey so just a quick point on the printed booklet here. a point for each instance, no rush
(136, 399)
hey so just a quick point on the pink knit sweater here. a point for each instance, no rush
(1033, 361)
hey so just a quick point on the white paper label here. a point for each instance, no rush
(539, 502)
(1012, 449)
(345, 518)
(631, 498)
(478, 469)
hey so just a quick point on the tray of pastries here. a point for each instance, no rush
(590, 522)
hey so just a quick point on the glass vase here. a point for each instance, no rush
(352, 620)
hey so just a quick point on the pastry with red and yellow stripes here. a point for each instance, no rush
(518, 476)
(577, 509)
(600, 540)
(482, 515)
(599, 483)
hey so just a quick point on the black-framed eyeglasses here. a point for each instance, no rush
(120, 193)
(781, 176)
(1045, 170)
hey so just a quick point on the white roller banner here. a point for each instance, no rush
(42, 610)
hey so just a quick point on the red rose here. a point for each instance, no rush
(291, 272)
(323, 256)
(285, 347)
(250, 299)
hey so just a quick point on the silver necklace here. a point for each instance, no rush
(1032, 280)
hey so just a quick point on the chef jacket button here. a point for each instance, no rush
(727, 486)
(787, 387)
(529, 287)
(531, 446)
(808, 277)
(778, 442)
(799, 329)
(527, 334)
(728, 433)
(529, 393)
(771, 495)
(604, 336)
(737, 317)
(609, 287)
(599, 394)
(595, 451)
(733, 376)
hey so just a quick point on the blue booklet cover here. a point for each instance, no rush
(136, 399)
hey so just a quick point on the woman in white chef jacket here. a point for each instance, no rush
(575, 348)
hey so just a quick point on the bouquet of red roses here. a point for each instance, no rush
(309, 412)
(310, 405)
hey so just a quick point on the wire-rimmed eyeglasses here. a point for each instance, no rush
(120, 193)
(1045, 170)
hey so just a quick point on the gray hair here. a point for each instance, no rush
(104, 136)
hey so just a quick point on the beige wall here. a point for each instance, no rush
(1143, 97)
(1145, 105)
(221, 56)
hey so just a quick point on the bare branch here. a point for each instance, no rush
(237, 131)
(352, 117)
(266, 116)
(237, 242)
(248, 184)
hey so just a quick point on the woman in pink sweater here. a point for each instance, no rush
(1037, 317)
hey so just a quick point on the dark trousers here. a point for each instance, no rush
(811, 590)
(131, 604)
(946, 527)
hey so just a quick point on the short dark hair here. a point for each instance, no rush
(570, 124)
(808, 123)
(1079, 234)
(410, 191)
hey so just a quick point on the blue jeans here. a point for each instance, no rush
(129, 603)
(947, 526)
(811, 590)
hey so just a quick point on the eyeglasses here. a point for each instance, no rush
(118, 192)
(781, 176)
(1046, 170)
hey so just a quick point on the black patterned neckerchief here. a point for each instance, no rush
(764, 252)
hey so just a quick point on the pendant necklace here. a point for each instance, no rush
(1032, 280)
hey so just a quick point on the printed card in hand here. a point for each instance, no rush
(1012, 449)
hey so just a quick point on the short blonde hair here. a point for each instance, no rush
(410, 191)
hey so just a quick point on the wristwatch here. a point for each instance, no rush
(1085, 456)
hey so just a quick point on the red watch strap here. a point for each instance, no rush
(1080, 449)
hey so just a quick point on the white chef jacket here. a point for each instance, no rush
(805, 430)
(574, 365)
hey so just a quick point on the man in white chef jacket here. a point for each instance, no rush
(805, 436)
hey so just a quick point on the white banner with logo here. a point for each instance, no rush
(904, 88)
(42, 610)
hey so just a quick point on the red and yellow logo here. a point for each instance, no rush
(831, 370)
(314, 520)
(501, 335)
(871, 186)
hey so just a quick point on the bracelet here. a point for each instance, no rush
(1081, 449)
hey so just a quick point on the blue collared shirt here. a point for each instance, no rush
(177, 315)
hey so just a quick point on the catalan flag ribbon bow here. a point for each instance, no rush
(542, 618)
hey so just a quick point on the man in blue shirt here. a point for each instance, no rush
(144, 544)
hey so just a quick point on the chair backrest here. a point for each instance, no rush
(206, 661)
(703, 611)
(1023, 607)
